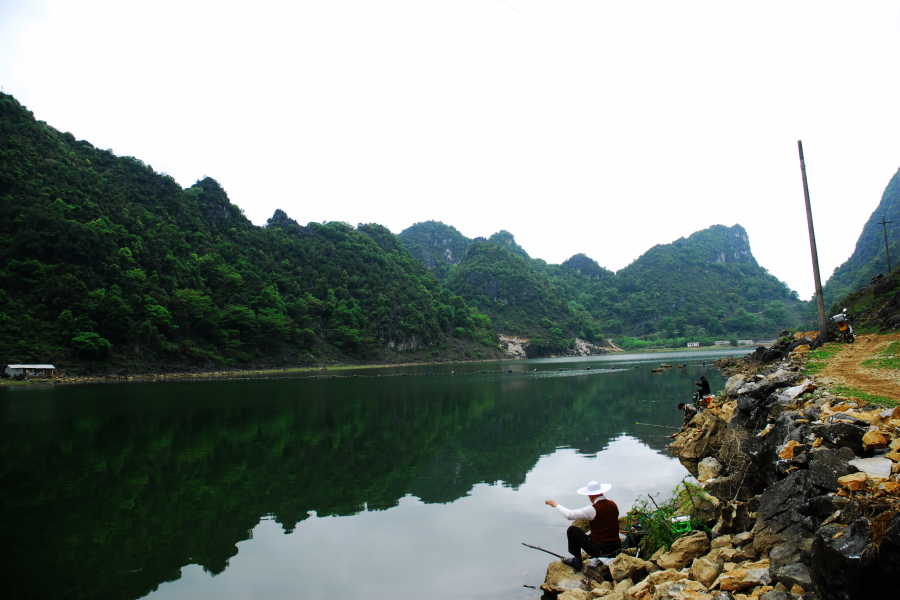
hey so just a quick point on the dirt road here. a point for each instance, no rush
(846, 366)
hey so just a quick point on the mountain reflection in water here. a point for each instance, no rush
(108, 491)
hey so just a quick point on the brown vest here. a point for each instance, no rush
(605, 525)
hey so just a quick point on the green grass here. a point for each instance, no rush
(882, 361)
(843, 390)
(818, 359)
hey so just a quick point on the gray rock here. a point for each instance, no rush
(842, 568)
(842, 435)
(827, 465)
(822, 506)
(781, 556)
(735, 517)
(723, 596)
(842, 416)
(709, 468)
(795, 574)
(813, 413)
(734, 384)
(776, 595)
(784, 496)
(873, 467)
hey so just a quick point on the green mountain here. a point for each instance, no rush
(709, 280)
(705, 287)
(507, 287)
(102, 258)
(869, 257)
(437, 246)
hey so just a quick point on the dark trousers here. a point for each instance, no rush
(579, 540)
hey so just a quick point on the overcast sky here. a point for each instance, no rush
(580, 126)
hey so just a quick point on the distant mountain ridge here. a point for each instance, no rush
(708, 284)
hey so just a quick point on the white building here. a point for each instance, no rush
(31, 370)
(723, 343)
(745, 342)
(693, 344)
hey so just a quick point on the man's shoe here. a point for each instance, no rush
(570, 562)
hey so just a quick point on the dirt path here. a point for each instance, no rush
(846, 367)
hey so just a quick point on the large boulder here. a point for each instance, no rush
(795, 574)
(664, 576)
(639, 591)
(874, 467)
(708, 468)
(842, 434)
(627, 567)
(747, 576)
(846, 565)
(779, 519)
(561, 578)
(735, 517)
(684, 589)
(705, 571)
(700, 438)
(684, 550)
(782, 555)
(734, 384)
(828, 465)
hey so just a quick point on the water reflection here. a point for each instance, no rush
(108, 491)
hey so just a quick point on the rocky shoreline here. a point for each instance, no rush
(801, 497)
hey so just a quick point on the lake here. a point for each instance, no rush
(378, 483)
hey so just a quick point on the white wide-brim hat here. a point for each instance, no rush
(594, 489)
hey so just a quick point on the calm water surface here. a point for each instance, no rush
(377, 486)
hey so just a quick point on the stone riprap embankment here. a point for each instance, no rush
(803, 499)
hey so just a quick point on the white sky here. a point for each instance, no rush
(580, 126)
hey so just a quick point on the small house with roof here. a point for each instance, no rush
(31, 370)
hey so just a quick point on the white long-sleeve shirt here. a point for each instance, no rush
(588, 512)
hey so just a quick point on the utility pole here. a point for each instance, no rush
(886, 249)
(820, 301)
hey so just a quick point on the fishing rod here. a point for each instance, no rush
(654, 425)
(542, 550)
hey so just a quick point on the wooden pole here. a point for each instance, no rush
(820, 300)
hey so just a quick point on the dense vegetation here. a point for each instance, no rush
(702, 288)
(437, 246)
(869, 257)
(103, 258)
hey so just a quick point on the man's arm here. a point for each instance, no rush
(587, 512)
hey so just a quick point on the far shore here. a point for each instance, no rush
(337, 367)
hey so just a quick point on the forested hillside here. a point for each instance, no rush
(102, 258)
(869, 257)
(705, 287)
(519, 298)
(437, 246)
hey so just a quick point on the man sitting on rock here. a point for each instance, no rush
(705, 391)
(689, 412)
(603, 515)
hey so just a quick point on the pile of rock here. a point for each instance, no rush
(788, 346)
(726, 568)
(804, 500)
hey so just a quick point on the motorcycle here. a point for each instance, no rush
(843, 324)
